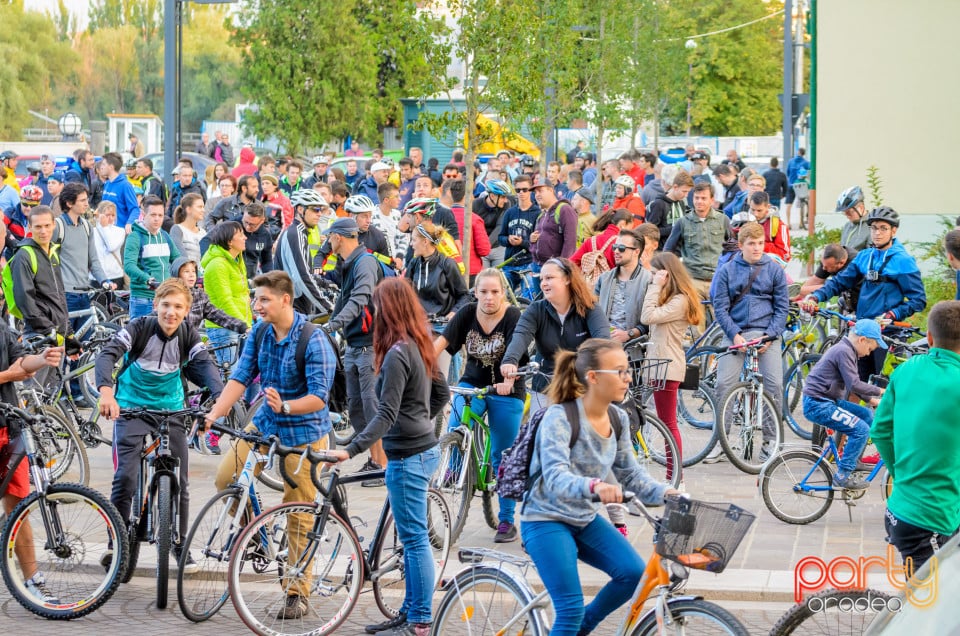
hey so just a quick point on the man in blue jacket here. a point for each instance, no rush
(750, 301)
(119, 191)
(891, 287)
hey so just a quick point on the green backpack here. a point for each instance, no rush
(6, 278)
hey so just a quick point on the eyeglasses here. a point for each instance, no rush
(880, 228)
(522, 190)
(624, 374)
(315, 208)
(623, 248)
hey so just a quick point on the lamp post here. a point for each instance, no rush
(690, 46)
(70, 125)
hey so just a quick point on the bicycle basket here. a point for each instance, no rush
(702, 536)
(650, 373)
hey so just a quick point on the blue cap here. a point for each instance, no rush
(869, 329)
(56, 175)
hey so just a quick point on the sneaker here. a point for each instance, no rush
(506, 533)
(716, 455)
(37, 586)
(189, 565)
(213, 443)
(411, 629)
(622, 529)
(369, 467)
(106, 559)
(293, 608)
(849, 482)
(397, 621)
(767, 450)
(80, 401)
(873, 460)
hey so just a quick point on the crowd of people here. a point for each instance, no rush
(389, 237)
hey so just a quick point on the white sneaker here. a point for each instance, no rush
(716, 455)
(37, 586)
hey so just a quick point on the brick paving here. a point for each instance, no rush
(757, 586)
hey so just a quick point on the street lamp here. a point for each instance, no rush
(70, 126)
(690, 45)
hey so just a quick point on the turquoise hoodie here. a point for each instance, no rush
(147, 256)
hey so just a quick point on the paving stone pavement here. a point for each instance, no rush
(757, 586)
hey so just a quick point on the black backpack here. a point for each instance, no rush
(143, 336)
(513, 476)
(337, 400)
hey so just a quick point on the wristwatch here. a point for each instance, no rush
(285, 408)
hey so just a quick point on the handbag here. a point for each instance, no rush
(691, 378)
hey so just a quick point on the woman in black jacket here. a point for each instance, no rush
(408, 375)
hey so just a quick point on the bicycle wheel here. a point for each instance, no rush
(886, 484)
(691, 616)
(656, 449)
(743, 418)
(343, 431)
(829, 612)
(780, 485)
(388, 567)
(456, 478)
(690, 402)
(490, 502)
(828, 342)
(793, 396)
(133, 541)
(63, 450)
(70, 563)
(164, 535)
(210, 539)
(481, 600)
(330, 583)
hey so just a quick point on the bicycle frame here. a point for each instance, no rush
(156, 459)
(468, 419)
(830, 448)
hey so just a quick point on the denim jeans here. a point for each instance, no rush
(140, 307)
(407, 480)
(361, 386)
(504, 413)
(555, 546)
(218, 337)
(76, 302)
(851, 419)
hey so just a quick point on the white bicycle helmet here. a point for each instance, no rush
(627, 182)
(358, 204)
(307, 197)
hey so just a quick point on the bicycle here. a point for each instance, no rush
(525, 293)
(332, 563)
(70, 526)
(746, 410)
(492, 599)
(216, 528)
(155, 512)
(826, 612)
(804, 479)
(466, 464)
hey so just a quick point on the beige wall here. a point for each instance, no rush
(889, 95)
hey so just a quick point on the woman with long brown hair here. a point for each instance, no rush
(407, 375)
(671, 305)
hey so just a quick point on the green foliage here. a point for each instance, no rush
(875, 186)
(803, 245)
(937, 288)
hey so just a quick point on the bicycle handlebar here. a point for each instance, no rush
(306, 454)
(10, 410)
(752, 343)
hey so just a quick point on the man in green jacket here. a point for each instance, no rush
(698, 238)
(147, 256)
(923, 453)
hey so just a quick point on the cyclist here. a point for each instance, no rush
(855, 234)
(669, 207)
(147, 255)
(295, 409)
(484, 328)
(890, 284)
(420, 211)
(18, 367)
(452, 194)
(297, 247)
(750, 301)
(835, 257)
(151, 378)
(518, 224)
(559, 523)
(37, 280)
(775, 231)
(492, 208)
(835, 375)
(625, 197)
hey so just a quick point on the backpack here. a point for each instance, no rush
(386, 268)
(59, 228)
(513, 476)
(6, 278)
(143, 336)
(594, 263)
(337, 400)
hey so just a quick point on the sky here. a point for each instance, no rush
(77, 7)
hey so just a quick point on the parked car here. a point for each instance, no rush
(200, 163)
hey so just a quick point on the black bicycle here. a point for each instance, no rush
(66, 527)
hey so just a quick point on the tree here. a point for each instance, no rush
(211, 66)
(308, 69)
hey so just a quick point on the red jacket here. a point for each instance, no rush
(479, 242)
(595, 243)
(777, 237)
(634, 205)
(246, 165)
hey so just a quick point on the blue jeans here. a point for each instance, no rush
(140, 307)
(407, 480)
(848, 418)
(554, 547)
(504, 413)
(76, 302)
(218, 337)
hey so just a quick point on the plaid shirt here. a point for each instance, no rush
(276, 365)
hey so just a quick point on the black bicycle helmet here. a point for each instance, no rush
(849, 198)
(527, 161)
(886, 214)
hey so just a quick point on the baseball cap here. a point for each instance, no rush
(321, 159)
(56, 175)
(542, 185)
(698, 156)
(869, 329)
(380, 165)
(584, 193)
(343, 227)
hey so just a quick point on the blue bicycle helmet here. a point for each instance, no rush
(496, 186)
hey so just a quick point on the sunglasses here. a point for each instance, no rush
(623, 248)
(522, 190)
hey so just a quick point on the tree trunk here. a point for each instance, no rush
(598, 204)
(467, 234)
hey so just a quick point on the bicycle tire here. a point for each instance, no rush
(657, 436)
(491, 508)
(886, 485)
(388, 590)
(453, 451)
(690, 405)
(686, 611)
(828, 342)
(489, 512)
(480, 600)
(211, 538)
(258, 595)
(847, 623)
(743, 446)
(88, 521)
(63, 450)
(793, 383)
(164, 536)
(133, 540)
(779, 482)
(343, 431)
